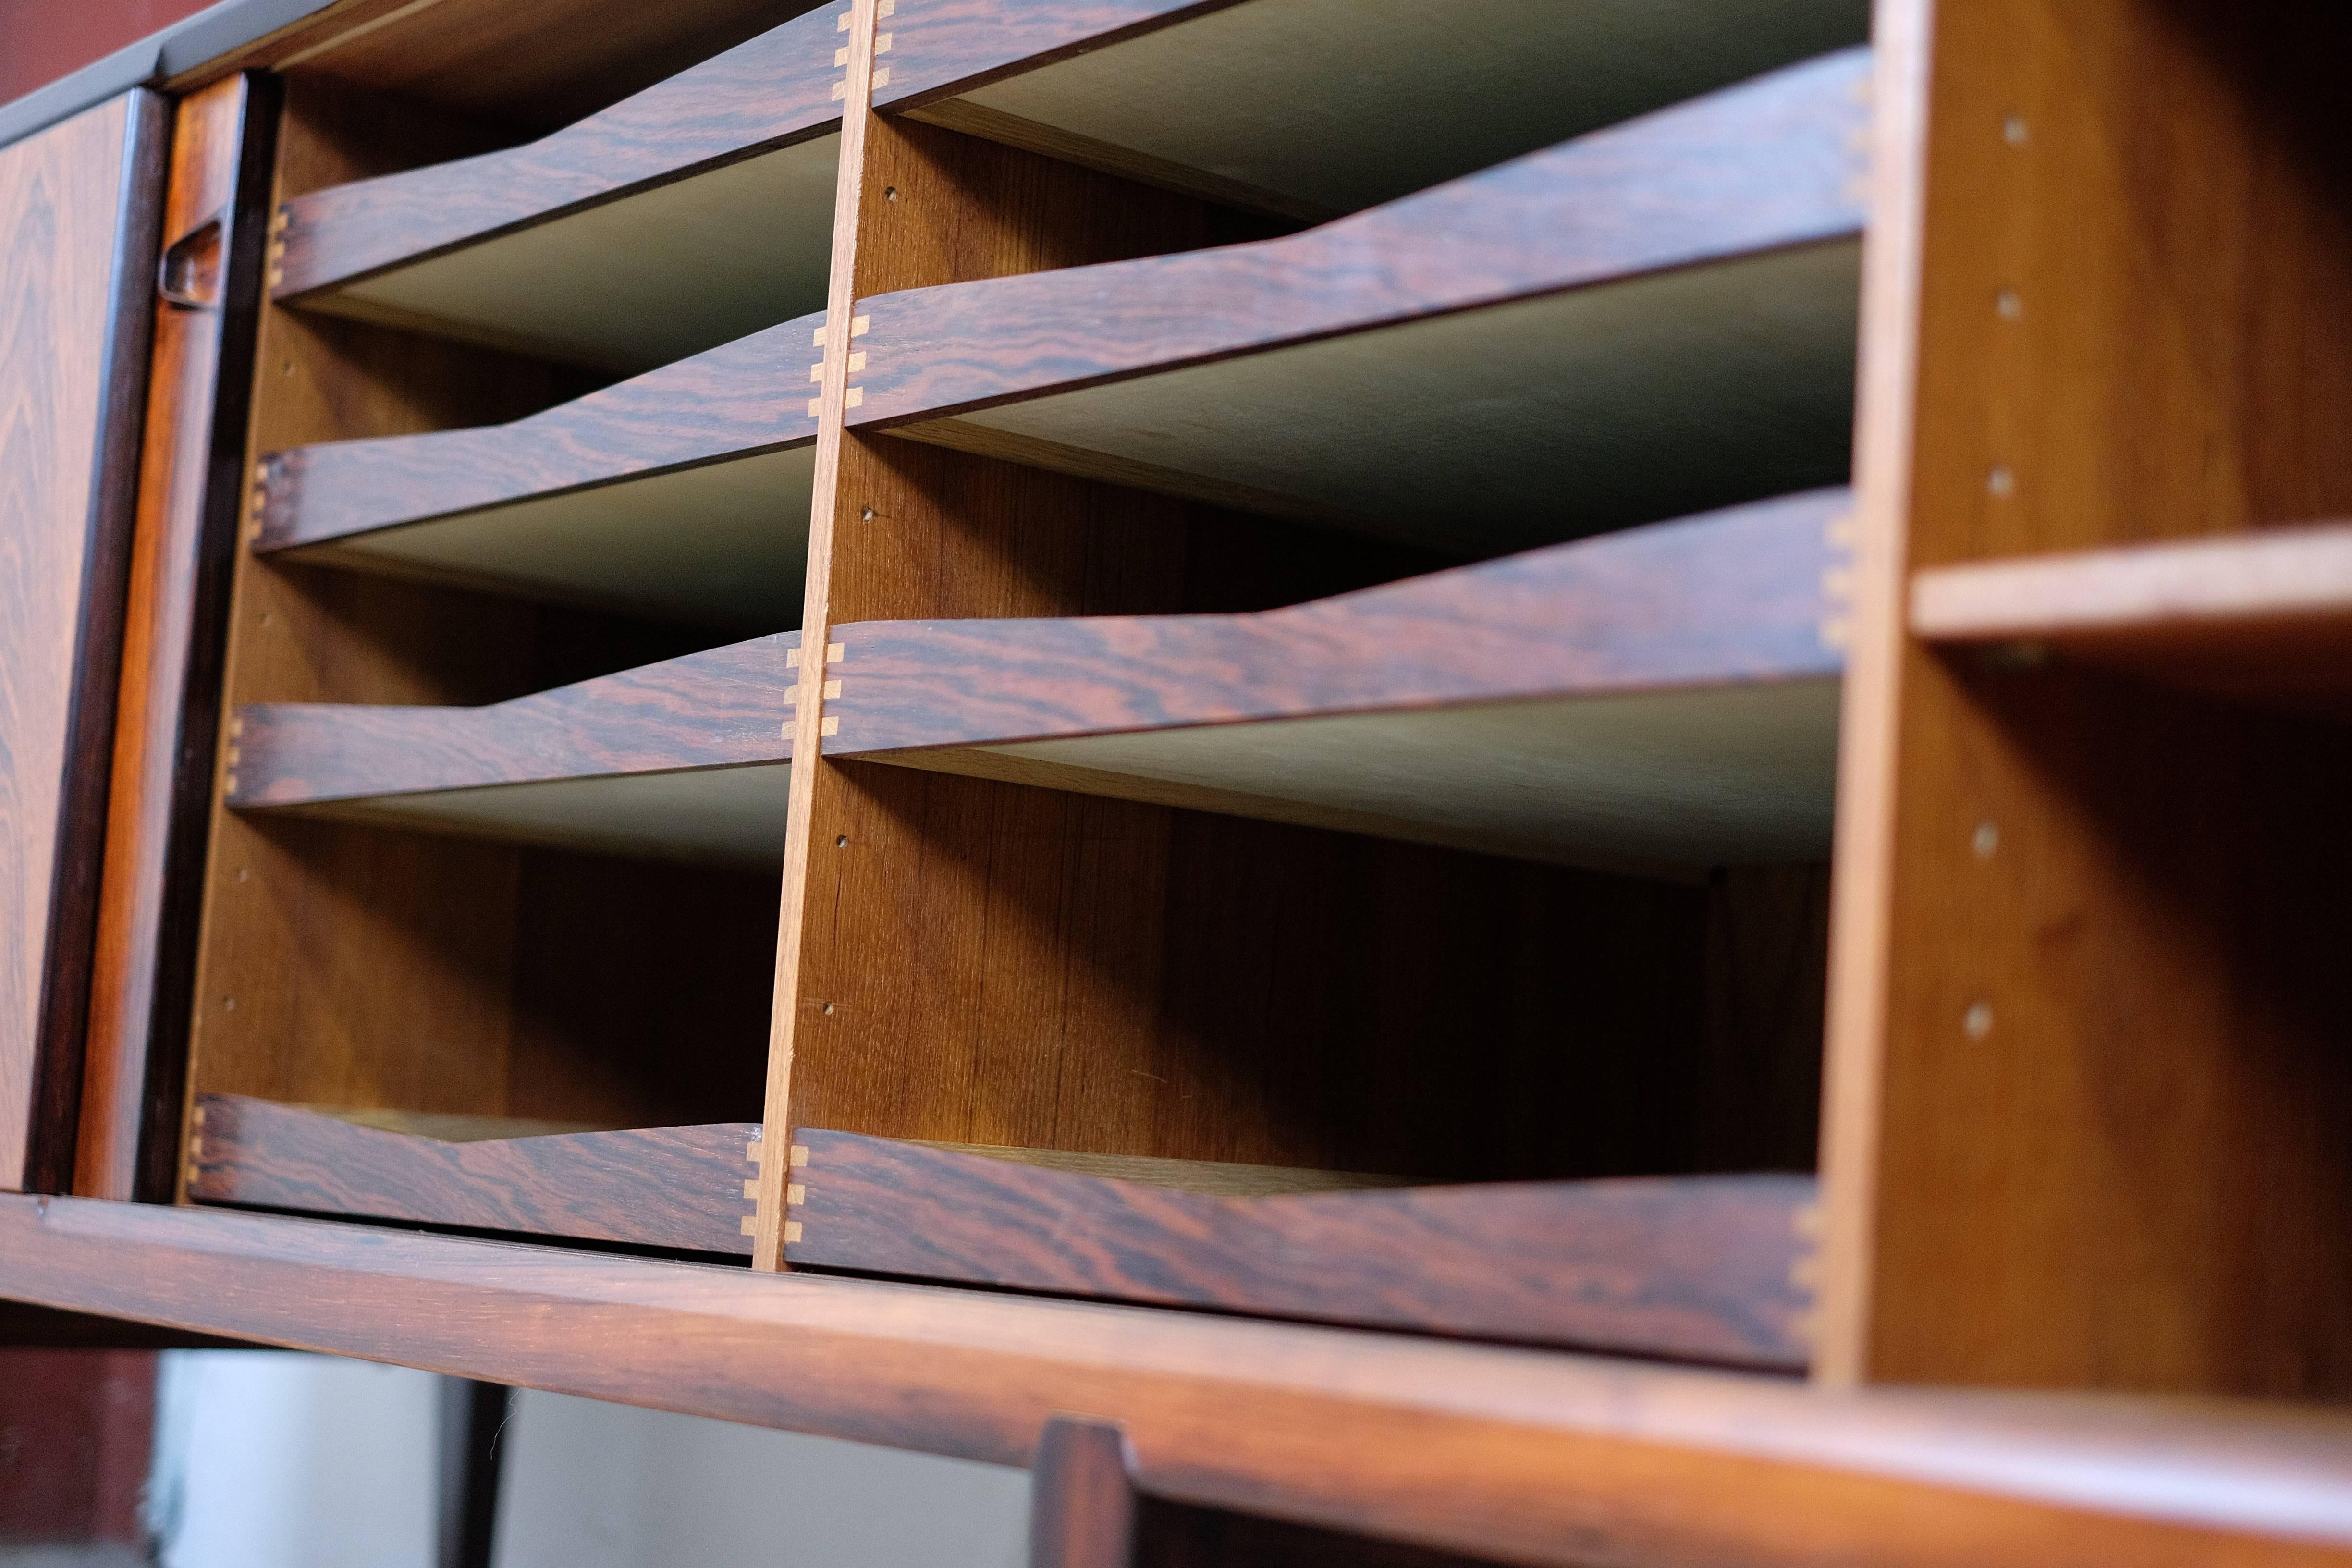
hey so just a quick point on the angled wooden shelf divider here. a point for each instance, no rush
(1663, 695)
(1659, 695)
(2263, 616)
(693, 213)
(686, 757)
(1313, 107)
(682, 493)
(1648, 322)
(674, 1187)
(1694, 1267)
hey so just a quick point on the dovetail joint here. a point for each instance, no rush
(795, 1195)
(800, 1156)
(751, 1225)
(792, 1231)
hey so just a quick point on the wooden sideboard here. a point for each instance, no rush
(1410, 782)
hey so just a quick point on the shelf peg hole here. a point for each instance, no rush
(1986, 839)
(866, 514)
(2001, 483)
(829, 1009)
(2014, 130)
(228, 1003)
(842, 842)
(1977, 1020)
(2007, 305)
(890, 192)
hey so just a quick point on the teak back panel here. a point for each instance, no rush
(77, 218)
(357, 966)
(2090, 1002)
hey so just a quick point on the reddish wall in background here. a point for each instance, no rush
(41, 40)
(76, 1434)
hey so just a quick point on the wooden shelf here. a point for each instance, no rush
(681, 494)
(1313, 107)
(675, 1187)
(693, 213)
(1661, 696)
(1537, 1458)
(2263, 617)
(1699, 1267)
(1643, 323)
(683, 758)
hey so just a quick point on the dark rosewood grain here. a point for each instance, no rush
(191, 492)
(679, 1187)
(775, 89)
(1773, 163)
(1528, 1456)
(718, 709)
(1736, 596)
(80, 203)
(1692, 1267)
(735, 400)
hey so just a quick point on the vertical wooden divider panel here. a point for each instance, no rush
(817, 619)
(902, 531)
(78, 206)
(2089, 1084)
(184, 543)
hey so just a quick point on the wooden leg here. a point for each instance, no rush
(1082, 1512)
(472, 1416)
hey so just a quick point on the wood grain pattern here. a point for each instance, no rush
(1298, 105)
(720, 708)
(342, 964)
(941, 44)
(1526, 1457)
(1768, 165)
(734, 401)
(902, 531)
(80, 204)
(760, 95)
(850, 182)
(1734, 597)
(675, 1187)
(537, 68)
(191, 495)
(2086, 1068)
(1692, 1267)
(2266, 617)
(643, 498)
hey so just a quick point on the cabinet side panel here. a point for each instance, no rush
(190, 490)
(77, 205)
(2089, 1075)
